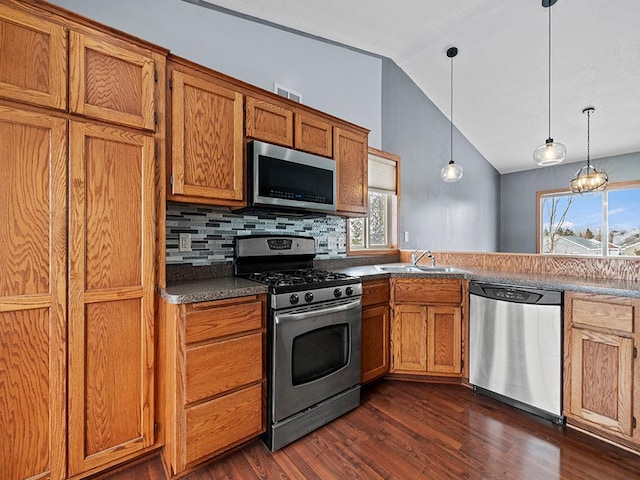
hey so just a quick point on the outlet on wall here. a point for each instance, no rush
(332, 243)
(406, 236)
(185, 242)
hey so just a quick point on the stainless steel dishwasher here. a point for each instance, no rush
(515, 346)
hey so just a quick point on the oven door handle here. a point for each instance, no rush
(291, 317)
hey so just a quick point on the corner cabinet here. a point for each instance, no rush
(350, 151)
(427, 327)
(214, 378)
(206, 137)
(601, 372)
(374, 351)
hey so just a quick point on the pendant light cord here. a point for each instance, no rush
(451, 124)
(588, 139)
(549, 71)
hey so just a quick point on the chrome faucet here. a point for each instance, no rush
(415, 258)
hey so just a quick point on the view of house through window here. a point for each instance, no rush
(599, 223)
(378, 231)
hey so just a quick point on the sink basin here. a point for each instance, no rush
(408, 268)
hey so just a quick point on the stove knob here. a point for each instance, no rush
(348, 291)
(293, 299)
(308, 296)
(337, 293)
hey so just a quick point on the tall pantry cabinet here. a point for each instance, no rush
(77, 243)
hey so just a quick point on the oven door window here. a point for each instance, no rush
(319, 353)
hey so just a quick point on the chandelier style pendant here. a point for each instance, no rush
(588, 178)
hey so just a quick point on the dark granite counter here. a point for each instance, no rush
(205, 290)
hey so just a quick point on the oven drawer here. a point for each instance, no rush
(217, 319)
(223, 422)
(222, 366)
(427, 291)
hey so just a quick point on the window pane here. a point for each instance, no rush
(378, 219)
(356, 232)
(572, 224)
(624, 221)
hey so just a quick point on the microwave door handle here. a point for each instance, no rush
(292, 317)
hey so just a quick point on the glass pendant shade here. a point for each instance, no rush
(451, 172)
(549, 153)
(588, 179)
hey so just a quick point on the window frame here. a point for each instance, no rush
(394, 224)
(539, 217)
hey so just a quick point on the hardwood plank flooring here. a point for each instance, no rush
(407, 430)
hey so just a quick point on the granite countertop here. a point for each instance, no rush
(203, 290)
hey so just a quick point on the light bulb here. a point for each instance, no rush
(549, 153)
(451, 172)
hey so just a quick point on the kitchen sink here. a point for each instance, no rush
(409, 268)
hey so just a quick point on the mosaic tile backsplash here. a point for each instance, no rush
(212, 232)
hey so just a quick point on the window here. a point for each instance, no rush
(600, 223)
(378, 231)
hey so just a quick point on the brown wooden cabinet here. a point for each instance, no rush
(33, 287)
(112, 80)
(601, 375)
(214, 378)
(33, 59)
(313, 134)
(350, 154)
(268, 122)
(427, 327)
(206, 139)
(374, 352)
(111, 278)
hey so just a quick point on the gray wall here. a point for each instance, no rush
(518, 195)
(460, 216)
(335, 80)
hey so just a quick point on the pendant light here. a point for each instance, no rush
(550, 152)
(451, 172)
(589, 179)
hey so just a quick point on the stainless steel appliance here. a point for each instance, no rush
(286, 179)
(313, 335)
(515, 346)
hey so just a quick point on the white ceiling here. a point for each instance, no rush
(500, 73)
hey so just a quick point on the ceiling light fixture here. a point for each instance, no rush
(588, 179)
(550, 152)
(451, 172)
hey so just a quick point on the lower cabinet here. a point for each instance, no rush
(427, 326)
(374, 349)
(600, 366)
(214, 378)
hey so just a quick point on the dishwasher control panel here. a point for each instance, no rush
(509, 293)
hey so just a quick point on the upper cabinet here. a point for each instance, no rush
(206, 138)
(269, 122)
(110, 81)
(313, 134)
(33, 59)
(350, 153)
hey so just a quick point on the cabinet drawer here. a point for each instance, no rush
(223, 422)
(222, 366)
(208, 323)
(427, 292)
(602, 312)
(375, 291)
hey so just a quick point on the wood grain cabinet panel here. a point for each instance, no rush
(33, 59)
(111, 278)
(350, 154)
(111, 82)
(427, 326)
(33, 290)
(207, 163)
(313, 135)
(268, 122)
(375, 336)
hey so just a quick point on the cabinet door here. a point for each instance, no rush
(111, 278)
(33, 59)
(350, 153)
(206, 140)
(602, 379)
(313, 135)
(409, 339)
(33, 151)
(110, 82)
(444, 340)
(374, 351)
(269, 122)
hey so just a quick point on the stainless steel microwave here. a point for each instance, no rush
(286, 179)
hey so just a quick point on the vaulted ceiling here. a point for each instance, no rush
(501, 71)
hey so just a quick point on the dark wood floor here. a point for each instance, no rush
(407, 430)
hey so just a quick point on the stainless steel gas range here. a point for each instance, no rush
(313, 335)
